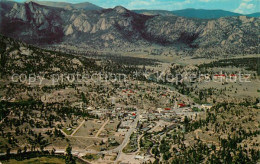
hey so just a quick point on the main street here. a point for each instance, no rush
(120, 148)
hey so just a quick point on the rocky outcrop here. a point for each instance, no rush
(33, 23)
(69, 30)
(120, 9)
(17, 12)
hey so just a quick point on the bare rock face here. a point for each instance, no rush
(76, 62)
(120, 9)
(38, 15)
(30, 12)
(45, 25)
(125, 22)
(103, 24)
(17, 12)
(82, 24)
(69, 30)
(108, 37)
(25, 51)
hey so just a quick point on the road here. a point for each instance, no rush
(120, 148)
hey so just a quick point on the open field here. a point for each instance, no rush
(110, 129)
(89, 128)
(40, 160)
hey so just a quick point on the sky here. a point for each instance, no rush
(238, 6)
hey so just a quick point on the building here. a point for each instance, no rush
(206, 106)
(181, 105)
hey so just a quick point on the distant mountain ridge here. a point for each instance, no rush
(84, 5)
(120, 28)
(195, 13)
(254, 14)
(204, 14)
(189, 12)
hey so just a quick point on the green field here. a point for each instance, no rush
(67, 132)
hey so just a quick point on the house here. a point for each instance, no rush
(181, 105)
(219, 76)
(233, 76)
(143, 118)
(159, 110)
(206, 106)
(122, 130)
(90, 108)
(132, 117)
(60, 152)
(146, 129)
(138, 157)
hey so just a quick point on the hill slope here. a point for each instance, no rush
(18, 57)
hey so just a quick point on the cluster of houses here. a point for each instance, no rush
(221, 76)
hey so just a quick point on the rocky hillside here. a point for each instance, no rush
(220, 36)
(18, 57)
(121, 28)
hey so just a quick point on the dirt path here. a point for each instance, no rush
(100, 130)
(75, 131)
(138, 143)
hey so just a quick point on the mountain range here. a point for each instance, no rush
(189, 13)
(119, 28)
(195, 13)
(84, 5)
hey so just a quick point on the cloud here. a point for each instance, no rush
(245, 7)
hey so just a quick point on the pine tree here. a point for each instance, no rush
(69, 158)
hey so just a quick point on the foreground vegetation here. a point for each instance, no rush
(228, 133)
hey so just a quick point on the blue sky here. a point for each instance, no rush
(239, 6)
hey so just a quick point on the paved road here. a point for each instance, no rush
(120, 148)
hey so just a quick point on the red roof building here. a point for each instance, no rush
(181, 105)
(221, 75)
